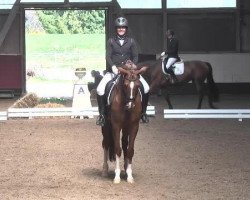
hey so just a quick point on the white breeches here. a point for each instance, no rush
(144, 84)
(170, 62)
(109, 76)
(101, 87)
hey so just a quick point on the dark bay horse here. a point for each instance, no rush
(196, 71)
(124, 115)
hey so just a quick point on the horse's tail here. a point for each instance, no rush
(213, 91)
(108, 140)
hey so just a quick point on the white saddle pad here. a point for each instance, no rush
(179, 68)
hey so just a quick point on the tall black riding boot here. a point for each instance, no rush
(171, 72)
(144, 116)
(101, 107)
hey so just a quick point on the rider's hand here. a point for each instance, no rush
(163, 53)
(114, 70)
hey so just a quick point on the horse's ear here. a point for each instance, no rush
(143, 69)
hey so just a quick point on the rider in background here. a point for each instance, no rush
(120, 48)
(172, 53)
(97, 78)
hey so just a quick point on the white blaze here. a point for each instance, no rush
(131, 85)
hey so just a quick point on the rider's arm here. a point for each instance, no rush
(134, 51)
(109, 53)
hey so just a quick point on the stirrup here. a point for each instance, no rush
(100, 121)
(144, 118)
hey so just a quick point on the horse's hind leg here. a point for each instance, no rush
(167, 98)
(105, 166)
(210, 101)
(125, 149)
(200, 87)
(201, 95)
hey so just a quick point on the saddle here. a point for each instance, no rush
(178, 67)
(109, 88)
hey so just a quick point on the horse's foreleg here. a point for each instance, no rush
(131, 144)
(117, 178)
(118, 150)
(167, 98)
(105, 166)
(130, 178)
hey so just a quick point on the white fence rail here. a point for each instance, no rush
(207, 113)
(51, 112)
(3, 115)
(56, 112)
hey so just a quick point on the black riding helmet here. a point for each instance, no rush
(121, 22)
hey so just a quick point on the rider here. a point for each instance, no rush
(172, 53)
(120, 48)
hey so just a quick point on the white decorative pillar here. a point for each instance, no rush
(81, 95)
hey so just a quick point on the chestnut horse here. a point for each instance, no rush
(124, 115)
(195, 71)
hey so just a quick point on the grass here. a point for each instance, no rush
(54, 57)
(65, 51)
(45, 43)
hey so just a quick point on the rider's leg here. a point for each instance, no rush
(169, 67)
(144, 116)
(101, 99)
(101, 108)
(145, 97)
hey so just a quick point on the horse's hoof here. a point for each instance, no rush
(145, 119)
(116, 180)
(213, 107)
(104, 173)
(105, 169)
(130, 180)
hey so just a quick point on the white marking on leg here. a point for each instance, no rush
(117, 178)
(105, 166)
(130, 178)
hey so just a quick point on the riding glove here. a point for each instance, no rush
(163, 53)
(114, 70)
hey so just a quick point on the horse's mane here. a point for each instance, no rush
(152, 65)
(149, 63)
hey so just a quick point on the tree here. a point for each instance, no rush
(72, 21)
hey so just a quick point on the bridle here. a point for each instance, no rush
(131, 77)
(131, 74)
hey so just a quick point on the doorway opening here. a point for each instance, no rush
(57, 43)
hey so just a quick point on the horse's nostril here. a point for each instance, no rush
(130, 105)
